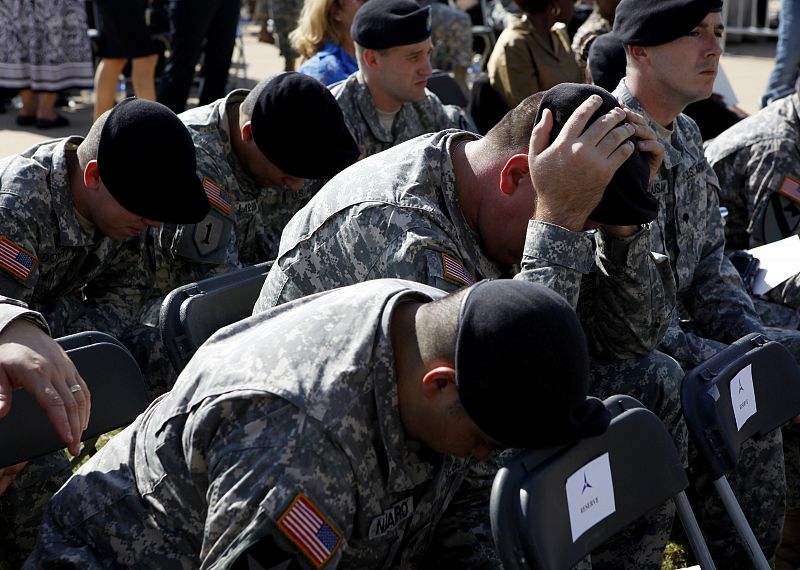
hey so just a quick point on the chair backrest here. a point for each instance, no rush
(193, 312)
(749, 389)
(119, 394)
(446, 89)
(550, 508)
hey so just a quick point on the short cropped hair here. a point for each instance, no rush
(438, 328)
(87, 150)
(512, 134)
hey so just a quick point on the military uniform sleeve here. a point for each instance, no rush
(556, 258)
(631, 292)
(265, 466)
(19, 264)
(773, 168)
(11, 310)
(716, 299)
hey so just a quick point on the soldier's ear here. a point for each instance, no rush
(437, 380)
(371, 57)
(513, 173)
(91, 175)
(247, 132)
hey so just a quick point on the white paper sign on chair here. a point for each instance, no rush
(743, 396)
(590, 495)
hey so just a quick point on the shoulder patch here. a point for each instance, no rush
(306, 526)
(453, 269)
(790, 188)
(16, 260)
(218, 197)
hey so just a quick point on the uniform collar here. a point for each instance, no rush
(70, 231)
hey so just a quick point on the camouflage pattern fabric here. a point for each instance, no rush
(284, 15)
(716, 310)
(595, 25)
(397, 215)
(451, 33)
(413, 118)
(23, 504)
(52, 257)
(217, 464)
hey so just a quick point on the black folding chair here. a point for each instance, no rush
(747, 390)
(119, 394)
(446, 89)
(193, 312)
(551, 508)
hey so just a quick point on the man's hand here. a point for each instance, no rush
(570, 175)
(31, 360)
(653, 150)
(648, 142)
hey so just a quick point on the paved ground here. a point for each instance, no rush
(747, 66)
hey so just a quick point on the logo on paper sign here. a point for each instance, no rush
(589, 503)
(743, 396)
(586, 484)
(391, 517)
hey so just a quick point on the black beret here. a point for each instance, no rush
(298, 125)
(522, 366)
(652, 23)
(382, 24)
(626, 200)
(607, 61)
(146, 159)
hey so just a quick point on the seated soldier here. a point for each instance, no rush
(341, 438)
(66, 207)
(386, 102)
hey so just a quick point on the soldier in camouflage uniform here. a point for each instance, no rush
(758, 165)
(714, 307)
(410, 213)
(254, 181)
(66, 207)
(386, 102)
(359, 409)
(598, 23)
(32, 361)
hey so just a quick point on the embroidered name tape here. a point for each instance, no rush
(306, 526)
(391, 517)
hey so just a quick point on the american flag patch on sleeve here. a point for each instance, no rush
(790, 188)
(16, 260)
(217, 196)
(308, 528)
(453, 269)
